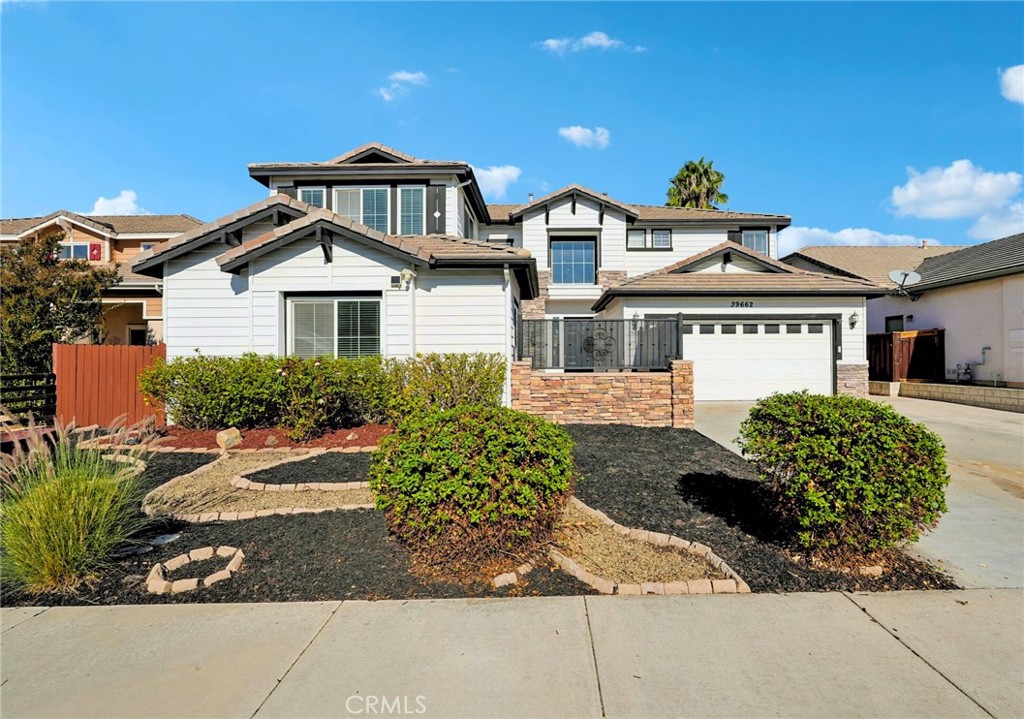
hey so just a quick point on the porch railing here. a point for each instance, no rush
(599, 345)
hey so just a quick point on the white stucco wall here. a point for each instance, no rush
(988, 313)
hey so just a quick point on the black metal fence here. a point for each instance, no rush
(590, 344)
(29, 394)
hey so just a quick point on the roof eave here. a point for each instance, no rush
(264, 173)
(605, 299)
(976, 277)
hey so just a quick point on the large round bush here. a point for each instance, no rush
(472, 484)
(846, 474)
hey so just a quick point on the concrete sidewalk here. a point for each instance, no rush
(893, 655)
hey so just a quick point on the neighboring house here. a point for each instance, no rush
(376, 251)
(134, 313)
(974, 293)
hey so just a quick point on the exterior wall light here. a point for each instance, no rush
(854, 319)
(407, 275)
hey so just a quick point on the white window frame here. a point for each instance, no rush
(75, 243)
(643, 239)
(655, 245)
(648, 238)
(423, 204)
(334, 300)
(336, 190)
(764, 233)
(300, 190)
(388, 209)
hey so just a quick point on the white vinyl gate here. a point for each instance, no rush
(745, 360)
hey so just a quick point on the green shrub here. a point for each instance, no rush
(846, 474)
(473, 484)
(65, 509)
(310, 396)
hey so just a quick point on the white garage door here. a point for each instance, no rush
(736, 360)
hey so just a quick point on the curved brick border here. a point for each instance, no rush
(242, 481)
(235, 516)
(89, 444)
(733, 583)
(157, 582)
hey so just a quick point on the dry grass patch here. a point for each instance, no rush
(211, 490)
(599, 549)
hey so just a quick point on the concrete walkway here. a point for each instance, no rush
(956, 654)
(980, 541)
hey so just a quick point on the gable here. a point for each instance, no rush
(718, 264)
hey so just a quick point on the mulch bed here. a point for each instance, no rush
(680, 482)
(331, 468)
(365, 436)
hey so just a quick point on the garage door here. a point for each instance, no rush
(736, 360)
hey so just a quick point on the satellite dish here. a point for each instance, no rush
(904, 278)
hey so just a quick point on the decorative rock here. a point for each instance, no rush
(197, 555)
(158, 586)
(229, 438)
(505, 579)
(723, 586)
(699, 586)
(226, 551)
(185, 585)
(875, 571)
(524, 569)
(217, 577)
(351, 436)
(270, 441)
(174, 562)
(156, 572)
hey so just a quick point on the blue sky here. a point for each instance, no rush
(864, 122)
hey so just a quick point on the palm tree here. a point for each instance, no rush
(697, 185)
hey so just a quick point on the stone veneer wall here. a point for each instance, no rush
(535, 309)
(852, 379)
(645, 399)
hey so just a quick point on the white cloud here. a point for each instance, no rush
(494, 180)
(127, 203)
(1011, 83)
(399, 83)
(793, 238)
(596, 40)
(960, 190)
(581, 136)
(1000, 223)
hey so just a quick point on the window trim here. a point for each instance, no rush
(334, 299)
(552, 239)
(643, 241)
(767, 240)
(648, 245)
(423, 195)
(311, 188)
(335, 189)
(75, 243)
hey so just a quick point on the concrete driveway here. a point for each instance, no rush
(980, 541)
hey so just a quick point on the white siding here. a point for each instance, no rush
(685, 243)
(739, 264)
(461, 311)
(501, 233)
(612, 233)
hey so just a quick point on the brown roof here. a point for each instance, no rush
(645, 213)
(570, 190)
(676, 280)
(871, 262)
(106, 224)
(428, 248)
(368, 148)
(124, 271)
(997, 258)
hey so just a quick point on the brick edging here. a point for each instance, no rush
(733, 584)
(242, 481)
(157, 582)
(216, 450)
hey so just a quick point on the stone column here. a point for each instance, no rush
(682, 393)
(852, 379)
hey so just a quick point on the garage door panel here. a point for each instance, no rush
(749, 366)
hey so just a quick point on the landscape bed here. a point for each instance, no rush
(673, 481)
(366, 435)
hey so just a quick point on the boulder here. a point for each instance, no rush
(229, 438)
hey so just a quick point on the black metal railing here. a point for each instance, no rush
(23, 395)
(599, 345)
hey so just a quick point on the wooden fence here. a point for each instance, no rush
(910, 356)
(98, 383)
(24, 395)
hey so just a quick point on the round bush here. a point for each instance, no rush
(846, 474)
(473, 484)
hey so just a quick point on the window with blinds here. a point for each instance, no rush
(375, 208)
(348, 327)
(349, 203)
(410, 200)
(312, 196)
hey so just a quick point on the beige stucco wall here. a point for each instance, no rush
(975, 315)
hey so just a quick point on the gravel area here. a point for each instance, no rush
(333, 467)
(599, 549)
(212, 491)
(680, 482)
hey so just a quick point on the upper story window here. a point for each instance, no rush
(470, 230)
(368, 205)
(756, 240)
(145, 246)
(654, 240)
(73, 251)
(574, 261)
(314, 196)
(411, 210)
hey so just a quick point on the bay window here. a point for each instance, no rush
(334, 327)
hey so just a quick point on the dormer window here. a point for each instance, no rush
(313, 196)
(756, 240)
(366, 205)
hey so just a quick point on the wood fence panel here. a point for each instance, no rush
(98, 383)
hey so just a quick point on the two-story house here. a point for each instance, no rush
(134, 307)
(376, 251)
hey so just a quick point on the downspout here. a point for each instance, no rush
(508, 339)
(412, 315)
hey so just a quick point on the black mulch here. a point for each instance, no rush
(680, 482)
(331, 467)
(163, 467)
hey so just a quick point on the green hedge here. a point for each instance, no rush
(846, 474)
(473, 484)
(309, 396)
